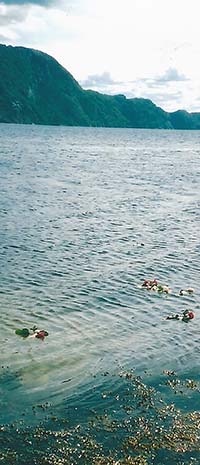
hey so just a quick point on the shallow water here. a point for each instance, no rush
(86, 215)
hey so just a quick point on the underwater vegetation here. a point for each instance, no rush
(130, 426)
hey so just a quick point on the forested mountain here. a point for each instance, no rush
(35, 88)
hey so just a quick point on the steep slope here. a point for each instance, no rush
(35, 88)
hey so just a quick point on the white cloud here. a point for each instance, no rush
(12, 15)
(99, 80)
(171, 75)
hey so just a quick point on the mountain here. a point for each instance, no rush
(181, 119)
(35, 88)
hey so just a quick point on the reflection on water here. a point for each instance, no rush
(87, 214)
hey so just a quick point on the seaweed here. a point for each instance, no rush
(137, 428)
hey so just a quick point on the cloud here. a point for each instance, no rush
(161, 98)
(12, 14)
(3, 38)
(106, 82)
(16, 11)
(171, 75)
(99, 80)
(169, 100)
(167, 90)
(44, 3)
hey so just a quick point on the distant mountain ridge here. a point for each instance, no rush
(35, 88)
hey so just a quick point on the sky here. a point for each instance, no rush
(139, 48)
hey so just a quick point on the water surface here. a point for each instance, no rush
(86, 215)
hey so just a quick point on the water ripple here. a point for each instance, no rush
(85, 218)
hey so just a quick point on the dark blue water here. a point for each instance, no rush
(86, 215)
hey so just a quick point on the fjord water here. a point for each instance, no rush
(86, 215)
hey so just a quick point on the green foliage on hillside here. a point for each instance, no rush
(143, 113)
(35, 88)
(196, 120)
(182, 120)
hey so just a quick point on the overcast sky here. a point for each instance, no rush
(141, 48)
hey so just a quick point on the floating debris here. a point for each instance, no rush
(41, 334)
(135, 431)
(169, 372)
(24, 332)
(153, 285)
(33, 332)
(180, 386)
(190, 290)
(150, 284)
(164, 288)
(185, 316)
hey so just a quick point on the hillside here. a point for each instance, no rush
(35, 88)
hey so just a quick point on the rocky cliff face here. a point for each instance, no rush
(35, 88)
